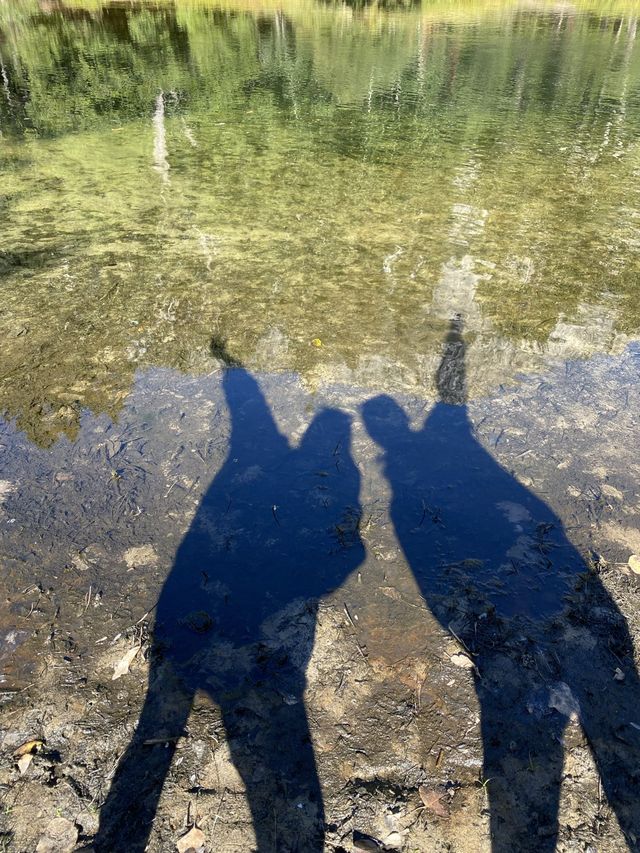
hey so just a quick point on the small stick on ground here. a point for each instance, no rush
(348, 615)
(215, 820)
(462, 642)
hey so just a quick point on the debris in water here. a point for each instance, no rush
(199, 621)
(561, 699)
(394, 840)
(366, 843)
(154, 741)
(6, 488)
(142, 555)
(618, 674)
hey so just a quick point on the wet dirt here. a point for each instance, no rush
(90, 530)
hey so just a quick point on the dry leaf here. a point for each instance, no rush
(462, 660)
(391, 592)
(432, 801)
(122, 667)
(23, 763)
(193, 840)
(29, 747)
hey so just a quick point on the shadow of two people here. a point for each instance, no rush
(280, 524)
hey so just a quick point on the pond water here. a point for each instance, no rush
(321, 185)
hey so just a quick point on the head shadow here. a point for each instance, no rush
(386, 420)
(497, 570)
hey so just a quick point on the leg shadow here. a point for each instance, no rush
(271, 749)
(127, 816)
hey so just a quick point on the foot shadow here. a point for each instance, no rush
(494, 563)
(276, 530)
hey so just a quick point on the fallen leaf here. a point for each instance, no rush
(193, 840)
(391, 592)
(23, 763)
(122, 667)
(30, 747)
(432, 801)
(316, 342)
(462, 660)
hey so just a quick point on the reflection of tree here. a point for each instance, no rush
(73, 67)
(316, 157)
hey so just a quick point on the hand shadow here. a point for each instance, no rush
(493, 560)
(277, 528)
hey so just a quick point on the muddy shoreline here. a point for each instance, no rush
(390, 693)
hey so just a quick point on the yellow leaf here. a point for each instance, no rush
(29, 748)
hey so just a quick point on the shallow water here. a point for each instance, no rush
(321, 185)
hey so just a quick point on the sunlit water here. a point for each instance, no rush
(321, 185)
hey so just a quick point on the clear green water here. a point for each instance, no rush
(284, 176)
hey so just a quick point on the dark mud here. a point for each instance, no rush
(395, 681)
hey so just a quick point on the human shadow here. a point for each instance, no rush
(547, 640)
(277, 529)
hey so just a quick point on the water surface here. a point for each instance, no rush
(321, 185)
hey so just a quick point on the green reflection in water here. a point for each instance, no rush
(311, 172)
